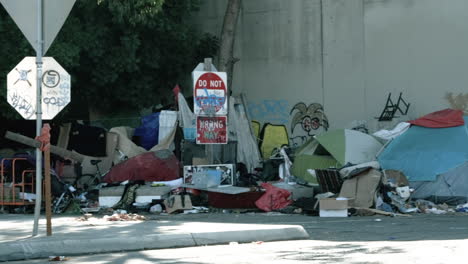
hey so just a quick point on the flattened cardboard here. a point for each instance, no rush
(174, 203)
(361, 189)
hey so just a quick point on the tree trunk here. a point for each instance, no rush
(226, 58)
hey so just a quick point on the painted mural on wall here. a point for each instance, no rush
(306, 122)
(270, 111)
(303, 121)
(459, 102)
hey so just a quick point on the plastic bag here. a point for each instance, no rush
(274, 198)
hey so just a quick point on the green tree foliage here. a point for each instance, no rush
(122, 54)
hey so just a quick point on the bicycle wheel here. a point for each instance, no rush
(61, 203)
(87, 182)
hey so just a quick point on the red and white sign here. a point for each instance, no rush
(210, 93)
(212, 130)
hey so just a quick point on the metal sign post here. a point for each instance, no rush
(37, 208)
(40, 21)
(210, 107)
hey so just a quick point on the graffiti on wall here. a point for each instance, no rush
(272, 111)
(459, 102)
(306, 122)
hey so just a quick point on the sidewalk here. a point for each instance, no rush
(97, 235)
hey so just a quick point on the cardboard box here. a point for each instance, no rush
(177, 203)
(362, 188)
(331, 207)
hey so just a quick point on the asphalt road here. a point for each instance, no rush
(416, 239)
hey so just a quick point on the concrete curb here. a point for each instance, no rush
(45, 247)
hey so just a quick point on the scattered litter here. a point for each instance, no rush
(84, 217)
(124, 217)
(378, 220)
(462, 208)
(91, 209)
(58, 258)
(370, 211)
(434, 211)
(199, 209)
(156, 209)
(403, 192)
(257, 242)
(124, 182)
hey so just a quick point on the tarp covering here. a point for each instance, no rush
(395, 132)
(443, 118)
(423, 153)
(148, 131)
(130, 149)
(160, 165)
(247, 150)
(272, 137)
(453, 183)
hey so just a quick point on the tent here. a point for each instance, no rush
(422, 153)
(449, 186)
(435, 160)
(334, 149)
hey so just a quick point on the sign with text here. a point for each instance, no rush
(210, 93)
(22, 88)
(212, 130)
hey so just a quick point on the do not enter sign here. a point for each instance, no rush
(210, 93)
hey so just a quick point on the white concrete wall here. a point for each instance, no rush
(418, 47)
(346, 55)
(343, 35)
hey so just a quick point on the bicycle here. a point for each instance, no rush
(85, 184)
(61, 203)
(89, 182)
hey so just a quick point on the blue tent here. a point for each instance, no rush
(423, 153)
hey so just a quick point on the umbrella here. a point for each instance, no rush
(350, 146)
(334, 149)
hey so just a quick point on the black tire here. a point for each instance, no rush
(87, 182)
(60, 205)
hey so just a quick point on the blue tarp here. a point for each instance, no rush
(148, 131)
(423, 153)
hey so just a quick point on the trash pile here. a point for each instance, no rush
(417, 171)
(158, 168)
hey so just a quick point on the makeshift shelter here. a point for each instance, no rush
(422, 153)
(435, 160)
(160, 165)
(334, 149)
(452, 185)
(443, 118)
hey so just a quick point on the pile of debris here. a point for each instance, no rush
(411, 169)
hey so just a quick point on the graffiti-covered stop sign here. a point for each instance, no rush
(22, 88)
(210, 93)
